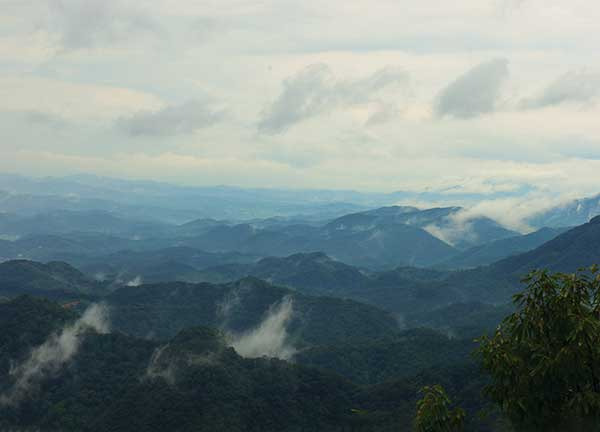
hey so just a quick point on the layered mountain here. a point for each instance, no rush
(579, 247)
(410, 291)
(52, 280)
(401, 290)
(383, 238)
(161, 310)
(446, 222)
(366, 239)
(197, 381)
(159, 265)
(491, 252)
(571, 213)
(576, 248)
(65, 221)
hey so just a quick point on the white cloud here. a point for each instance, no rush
(314, 90)
(185, 118)
(50, 357)
(474, 93)
(270, 337)
(86, 24)
(580, 87)
(71, 100)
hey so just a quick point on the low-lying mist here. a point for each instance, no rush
(51, 356)
(270, 338)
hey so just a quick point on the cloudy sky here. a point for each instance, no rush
(465, 96)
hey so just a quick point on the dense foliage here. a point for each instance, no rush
(544, 359)
(162, 310)
(391, 358)
(434, 413)
(196, 382)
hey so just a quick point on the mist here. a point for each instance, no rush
(135, 282)
(270, 337)
(54, 354)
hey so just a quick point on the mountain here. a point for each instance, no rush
(424, 291)
(579, 247)
(26, 322)
(572, 213)
(499, 249)
(495, 284)
(196, 381)
(161, 310)
(316, 273)
(402, 290)
(65, 221)
(468, 320)
(53, 280)
(381, 360)
(445, 222)
(173, 203)
(159, 265)
(361, 239)
(382, 238)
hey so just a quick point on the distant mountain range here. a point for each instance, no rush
(52, 280)
(402, 290)
(156, 201)
(488, 253)
(412, 291)
(571, 213)
(140, 199)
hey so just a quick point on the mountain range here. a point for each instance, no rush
(253, 310)
(196, 381)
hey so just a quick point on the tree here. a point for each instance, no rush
(434, 413)
(544, 359)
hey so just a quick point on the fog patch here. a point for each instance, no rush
(270, 337)
(164, 365)
(229, 303)
(100, 277)
(454, 231)
(50, 357)
(135, 282)
(514, 213)
(157, 367)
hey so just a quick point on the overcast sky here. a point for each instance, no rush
(483, 96)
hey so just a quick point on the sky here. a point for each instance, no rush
(491, 97)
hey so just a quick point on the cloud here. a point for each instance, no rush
(474, 93)
(513, 213)
(48, 358)
(52, 98)
(582, 87)
(35, 117)
(135, 282)
(158, 368)
(89, 23)
(182, 119)
(270, 337)
(315, 90)
(455, 230)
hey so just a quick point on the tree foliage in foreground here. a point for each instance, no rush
(544, 359)
(434, 413)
